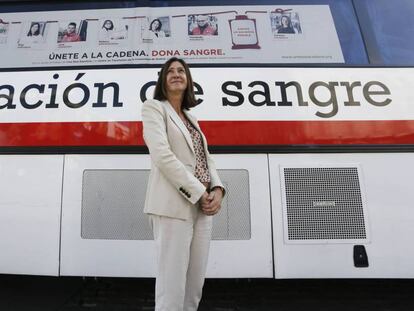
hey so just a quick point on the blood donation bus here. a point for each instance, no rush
(307, 107)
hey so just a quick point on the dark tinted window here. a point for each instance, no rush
(388, 29)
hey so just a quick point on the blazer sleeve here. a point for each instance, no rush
(156, 139)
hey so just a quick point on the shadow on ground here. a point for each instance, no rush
(29, 293)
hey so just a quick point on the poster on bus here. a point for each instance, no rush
(264, 34)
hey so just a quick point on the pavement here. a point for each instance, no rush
(29, 293)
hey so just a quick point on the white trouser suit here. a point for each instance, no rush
(182, 232)
(182, 254)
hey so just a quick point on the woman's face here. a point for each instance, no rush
(108, 25)
(176, 79)
(285, 21)
(34, 28)
(155, 25)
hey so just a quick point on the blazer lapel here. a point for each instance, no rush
(180, 124)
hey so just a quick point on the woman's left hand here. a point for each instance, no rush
(213, 203)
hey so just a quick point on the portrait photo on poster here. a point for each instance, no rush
(113, 31)
(201, 25)
(156, 29)
(33, 34)
(285, 24)
(71, 32)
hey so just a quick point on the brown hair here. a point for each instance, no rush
(160, 92)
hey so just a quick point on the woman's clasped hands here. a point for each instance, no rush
(210, 203)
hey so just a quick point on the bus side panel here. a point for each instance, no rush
(105, 232)
(30, 207)
(318, 223)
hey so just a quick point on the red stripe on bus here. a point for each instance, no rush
(309, 132)
(219, 133)
(71, 134)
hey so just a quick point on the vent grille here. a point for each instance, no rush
(324, 204)
(113, 203)
(233, 220)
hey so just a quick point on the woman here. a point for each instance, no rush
(286, 25)
(155, 28)
(106, 30)
(109, 32)
(34, 30)
(108, 25)
(184, 189)
(33, 36)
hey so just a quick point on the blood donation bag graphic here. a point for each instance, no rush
(244, 33)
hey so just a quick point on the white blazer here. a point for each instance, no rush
(172, 187)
